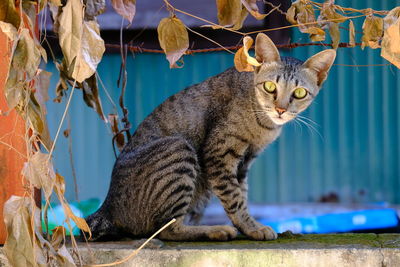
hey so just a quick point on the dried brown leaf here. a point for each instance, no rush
(243, 61)
(58, 237)
(119, 137)
(91, 52)
(335, 34)
(14, 88)
(126, 8)
(8, 13)
(352, 34)
(247, 43)
(62, 84)
(39, 171)
(37, 119)
(239, 23)
(173, 38)
(27, 54)
(94, 8)
(91, 95)
(301, 12)
(80, 222)
(60, 190)
(252, 8)
(65, 258)
(60, 185)
(328, 12)
(228, 12)
(80, 41)
(70, 30)
(291, 14)
(372, 31)
(391, 17)
(89, 88)
(390, 44)
(304, 14)
(316, 34)
(42, 83)
(55, 2)
(29, 14)
(9, 30)
(20, 243)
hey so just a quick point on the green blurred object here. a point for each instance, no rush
(56, 215)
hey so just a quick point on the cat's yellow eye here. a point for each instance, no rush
(300, 93)
(270, 87)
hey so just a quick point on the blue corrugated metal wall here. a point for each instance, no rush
(355, 154)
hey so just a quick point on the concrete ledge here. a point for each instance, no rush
(337, 250)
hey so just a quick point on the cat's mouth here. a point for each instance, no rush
(279, 119)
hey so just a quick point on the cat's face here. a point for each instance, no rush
(285, 87)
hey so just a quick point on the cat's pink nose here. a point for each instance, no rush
(280, 110)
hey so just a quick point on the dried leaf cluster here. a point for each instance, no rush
(26, 90)
(25, 244)
(232, 13)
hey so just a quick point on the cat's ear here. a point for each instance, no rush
(266, 50)
(321, 63)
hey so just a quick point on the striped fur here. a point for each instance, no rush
(201, 141)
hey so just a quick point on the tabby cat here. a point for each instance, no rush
(201, 141)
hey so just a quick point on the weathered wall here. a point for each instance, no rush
(12, 130)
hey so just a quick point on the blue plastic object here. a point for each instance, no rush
(338, 222)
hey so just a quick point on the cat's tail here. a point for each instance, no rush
(101, 227)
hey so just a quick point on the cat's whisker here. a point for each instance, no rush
(311, 128)
(297, 125)
(309, 120)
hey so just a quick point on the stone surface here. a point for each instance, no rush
(334, 250)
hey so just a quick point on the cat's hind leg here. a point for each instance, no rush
(170, 190)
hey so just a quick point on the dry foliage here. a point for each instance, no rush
(352, 34)
(126, 8)
(243, 61)
(232, 13)
(173, 38)
(372, 31)
(391, 37)
(26, 88)
(118, 135)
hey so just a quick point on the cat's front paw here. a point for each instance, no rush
(222, 233)
(262, 233)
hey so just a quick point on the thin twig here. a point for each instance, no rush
(106, 92)
(137, 250)
(201, 19)
(46, 218)
(302, 24)
(364, 11)
(71, 159)
(123, 76)
(211, 40)
(62, 120)
(140, 49)
(277, 8)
